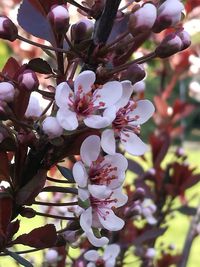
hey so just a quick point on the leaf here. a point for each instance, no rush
(42, 237)
(186, 210)
(67, 173)
(149, 235)
(11, 67)
(32, 21)
(19, 259)
(135, 167)
(39, 65)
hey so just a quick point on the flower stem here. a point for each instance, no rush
(55, 204)
(74, 3)
(54, 216)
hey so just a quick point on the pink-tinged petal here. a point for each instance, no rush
(83, 194)
(99, 191)
(90, 149)
(108, 141)
(144, 110)
(133, 144)
(97, 242)
(120, 197)
(110, 222)
(117, 160)
(109, 94)
(67, 119)
(110, 113)
(80, 174)
(127, 90)
(63, 91)
(91, 264)
(84, 80)
(91, 255)
(51, 127)
(96, 121)
(86, 220)
(111, 251)
(110, 262)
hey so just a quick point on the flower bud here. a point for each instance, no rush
(150, 253)
(51, 127)
(51, 256)
(169, 13)
(8, 30)
(142, 19)
(7, 92)
(33, 110)
(139, 87)
(170, 45)
(59, 18)
(134, 73)
(82, 30)
(185, 38)
(28, 80)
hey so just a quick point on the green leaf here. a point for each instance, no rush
(67, 173)
(39, 65)
(19, 259)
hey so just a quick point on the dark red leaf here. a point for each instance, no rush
(39, 65)
(11, 67)
(42, 237)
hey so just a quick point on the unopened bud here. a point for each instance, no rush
(139, 194)
(134, 73)
(185, 38)
(142, 19)
(169, 13)
(51, 127)
(82, 30)
(33, 110)
(51, 256)
(150, 253)
(139, 87)
(8, 30)
(170, 45)
(28, 80)
(59, 18)
(7, 92)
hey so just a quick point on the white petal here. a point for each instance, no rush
(83, 194)
(51, 127)
(111, 251)
(144, 110)
(117, 160)
(80, 174)
(96, 121)
(120, 197)
(110, 262)
(133, 145)
(67, 119)
(108, 141)
(86, 220)
(91, 255)
(90, 149)
(97, 242)
(110, 113)
(91, 264)
(62, 95)
(111, 222)
(84, 80)
(99, 191)
(127, 90)
(110, 93)
(34, 109)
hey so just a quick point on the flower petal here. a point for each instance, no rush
(84, 80)
(111, 251)
(120, 197)
(91, 255)
(144, 110)
(110, 222)
(83, 194)
(67, 119)
(97, 242)
(97, 121)
(91, 264)
(127, 90)
(86, 220)
(80, 174)
(99, 191)
(109, 94)
(62, 95)
(90, 149)
(108, 141)
(117, 160)
(133, 144)
(110, 113)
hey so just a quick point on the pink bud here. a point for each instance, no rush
(134, 73)
(8, 30)
(59, 18)
(28, 80)
(51, 127)
(82, 30)
(169, 13)
(185, 38)
(142, 19)
(7, 92)
(170, 45)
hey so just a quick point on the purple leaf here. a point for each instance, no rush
(34, 22)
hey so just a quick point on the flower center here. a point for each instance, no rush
(102, 173)
(124, 119)
(84, 103)
(100, 263)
